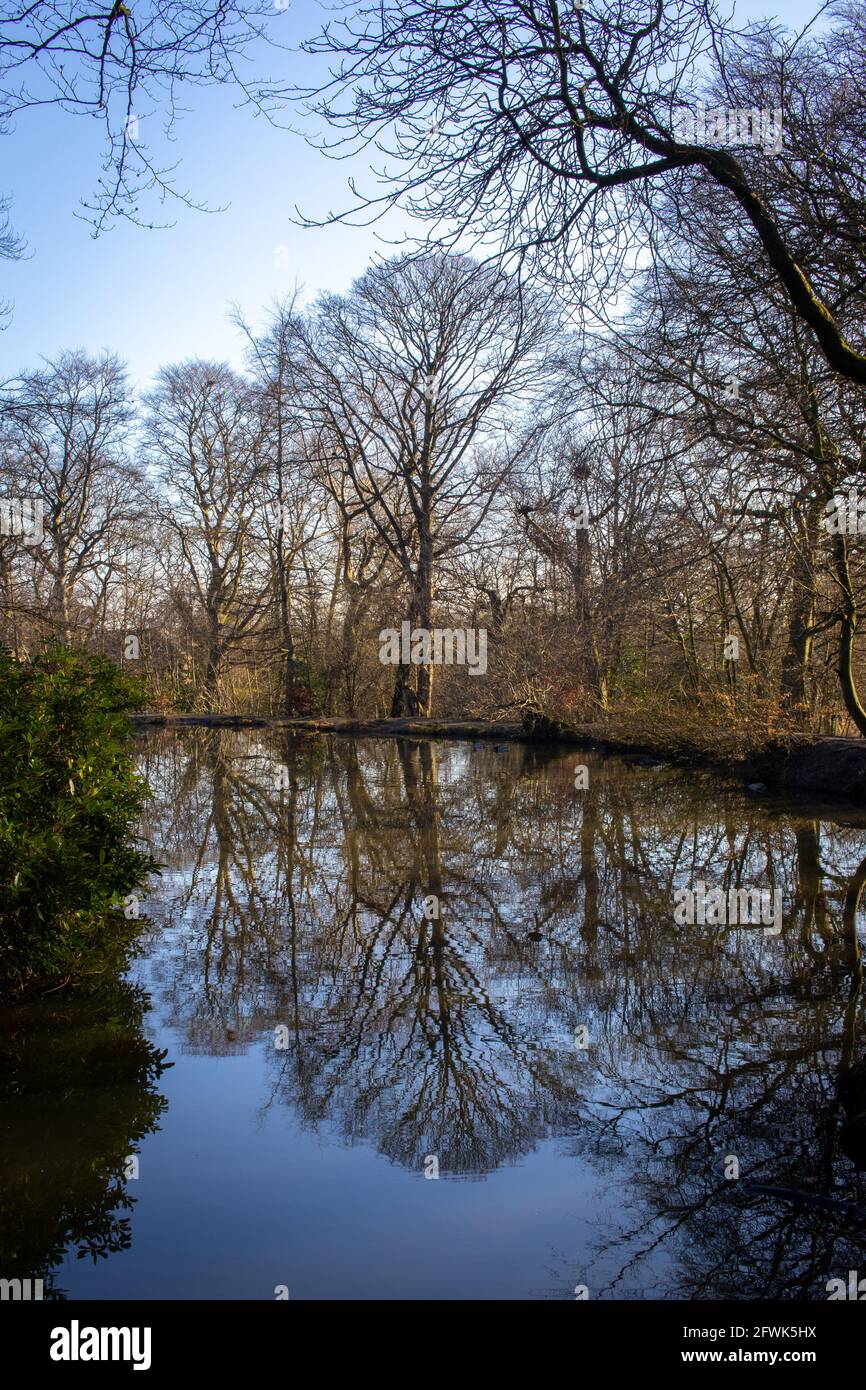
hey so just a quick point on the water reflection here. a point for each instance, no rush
(294, 895)
(77, 1095)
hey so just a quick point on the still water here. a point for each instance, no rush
(548, 1089)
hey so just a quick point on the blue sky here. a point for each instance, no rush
(161, 296)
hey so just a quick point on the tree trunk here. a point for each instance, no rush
(61, 607)
(213, 666)
(847, 633)
(797, 656)
(10, 620)
(419, 701)
(287, 642)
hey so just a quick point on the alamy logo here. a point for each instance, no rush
(22, 517)
(704, 906)
(439, 646)
(855, 1289)
(719, 125)
(845, 514)
(21, 1290)
(76, 1343)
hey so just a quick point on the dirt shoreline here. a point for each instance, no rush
(829, 767)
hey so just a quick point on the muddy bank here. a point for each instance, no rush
(834, 768)
(827, 768)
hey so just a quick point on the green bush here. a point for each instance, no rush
(69, 797)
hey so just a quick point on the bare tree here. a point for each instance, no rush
(291, 526)
(409, 379)
(203, 431)
(552, 131)
(65, 446)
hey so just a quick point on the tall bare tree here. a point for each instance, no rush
(66, 441)
(204, 437)
(413, 379)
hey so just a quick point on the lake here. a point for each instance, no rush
(427, 1027)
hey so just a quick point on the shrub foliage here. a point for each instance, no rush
(69, 798)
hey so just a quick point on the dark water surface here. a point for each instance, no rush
(331, 1046)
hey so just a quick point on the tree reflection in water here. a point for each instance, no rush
(77, 1095)
(297, 874)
